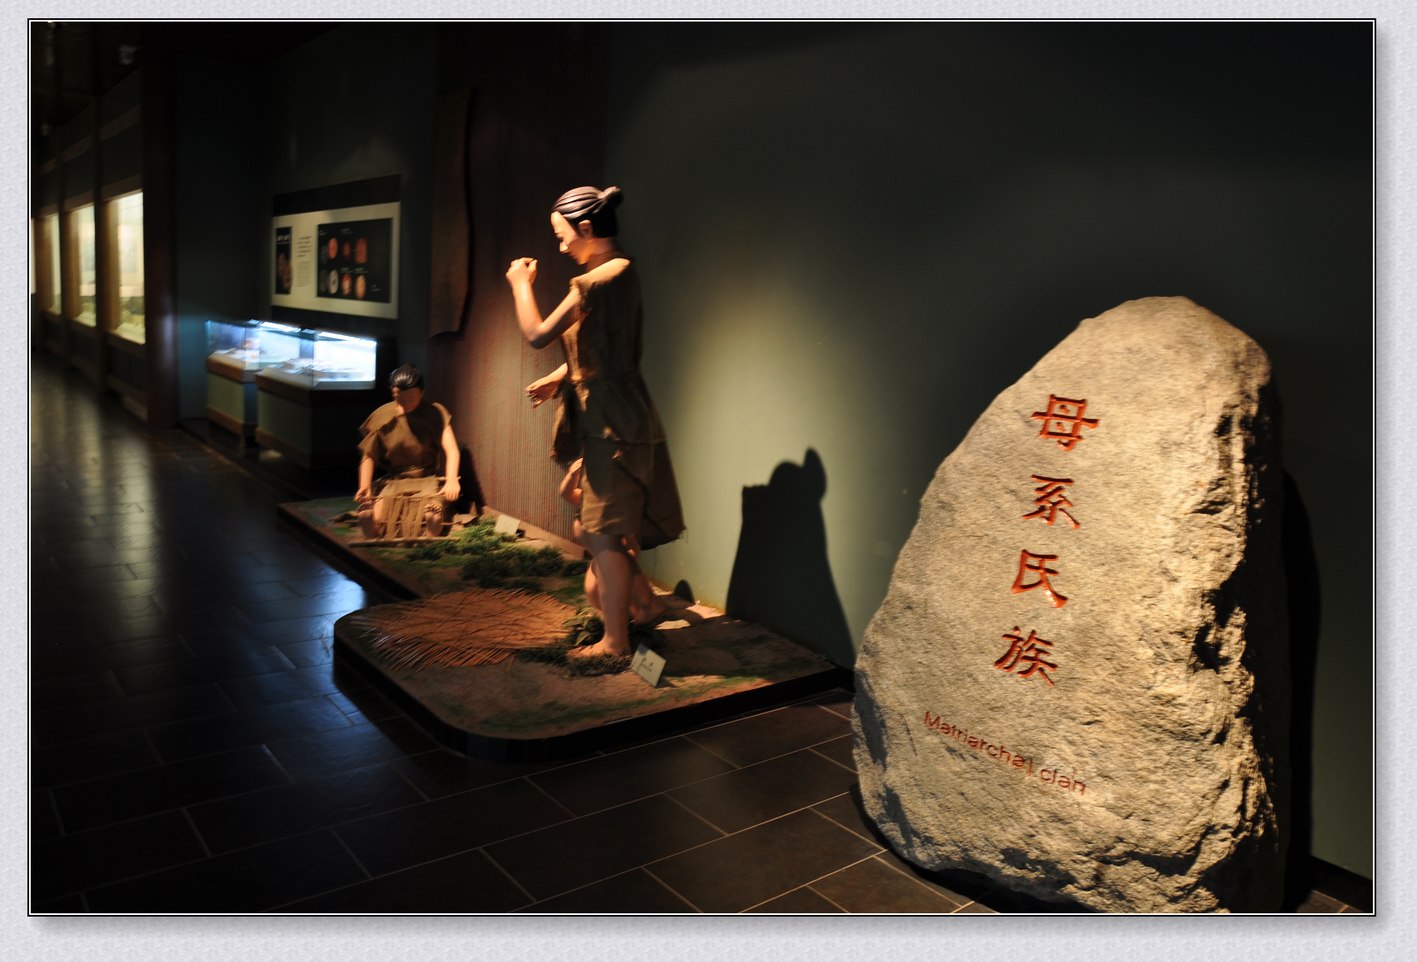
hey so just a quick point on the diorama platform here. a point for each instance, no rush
(526, 708)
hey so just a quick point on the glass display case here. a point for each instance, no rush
(328, 361)
(248, 360)
(242, 348)
(312, 388)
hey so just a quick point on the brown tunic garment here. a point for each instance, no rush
(607, 416)
(405, 446)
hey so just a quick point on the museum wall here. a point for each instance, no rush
(853, 237)
(219, 208)
(351, 105)
(354, 105)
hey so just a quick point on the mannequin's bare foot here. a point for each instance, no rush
(601, 647)
(648, 612)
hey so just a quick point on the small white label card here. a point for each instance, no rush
(648, 665)
(506, 524)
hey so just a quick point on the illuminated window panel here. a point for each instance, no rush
(126, 245)
(81, 275)
(47, 285)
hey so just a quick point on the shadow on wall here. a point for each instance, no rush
(1305, 606)
(781, 577)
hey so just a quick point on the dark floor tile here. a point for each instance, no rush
(358, 699)
(197, 609)
(64, 905)
(441, 771)
(58, 595)
(214, 639)
(61, 691)
(633, 892)
(180, 673)
(251, 880)
(326, 583)
(331, 606)
(249, 726)
(801, 901)
(838, 700)
(293, 809)
(325, 753)
(282, 547)
(1341, 885)
(89, 758)
(592, 847)
(43, 820)
(56, 634)
(777, 732)
(956, 886)
(53, 524)
(964, 887)
(461, 883)
(146, 791)
(76, 862)
(874, 885)
(170, 570)
(76, 557)
(54, 656)
(1319, 904)
(231, 571)
(623, 776)
(281, 686)
(103, 505)
(81, 560)
(785, 854)
(445, 826)
(146, 538)
(261, 592)
(160, 625)
(838, 750)
(52, 725)
(308, 654)
(93, 576)
(846, 811)
(747, 796)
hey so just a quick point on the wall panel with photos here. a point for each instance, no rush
(336, 250)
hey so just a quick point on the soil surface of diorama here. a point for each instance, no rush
(484, 650)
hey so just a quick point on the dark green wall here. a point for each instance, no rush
(218, 208)
(854, 236)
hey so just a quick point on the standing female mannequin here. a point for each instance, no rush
(629, 498)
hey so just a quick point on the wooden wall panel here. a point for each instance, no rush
(537, 130)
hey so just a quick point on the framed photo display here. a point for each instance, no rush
(344, 260)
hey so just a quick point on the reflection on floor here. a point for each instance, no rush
(194, 749)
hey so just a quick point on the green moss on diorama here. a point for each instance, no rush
(480, 555)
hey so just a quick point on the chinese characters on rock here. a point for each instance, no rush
(1052, 501)
(1037, 564)
(1029, 651)
(1063, 422)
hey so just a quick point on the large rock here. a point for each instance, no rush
(1077, 684)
